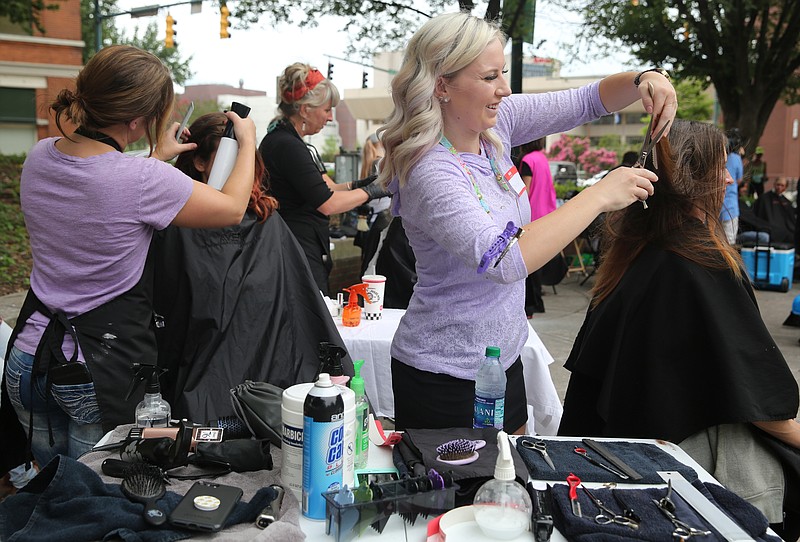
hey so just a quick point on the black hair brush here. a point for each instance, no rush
(144, 483)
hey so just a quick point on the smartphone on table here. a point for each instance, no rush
(206, 506)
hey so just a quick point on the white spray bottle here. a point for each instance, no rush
(502, 506)
(227, 151)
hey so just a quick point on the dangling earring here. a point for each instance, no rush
(303, 126)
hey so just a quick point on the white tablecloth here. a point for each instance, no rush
(371, 341)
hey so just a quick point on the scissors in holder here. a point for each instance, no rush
(540, 446)
(582, 452)
(607, 515)
(650, 142)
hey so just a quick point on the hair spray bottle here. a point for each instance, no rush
(227, 151)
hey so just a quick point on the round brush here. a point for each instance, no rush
(144, 483)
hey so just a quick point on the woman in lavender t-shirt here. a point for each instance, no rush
(90, 211)
(447, 162)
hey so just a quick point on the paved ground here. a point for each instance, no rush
(564, 314)
(565, 310)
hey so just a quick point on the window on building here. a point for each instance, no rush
(635, 118)
(17, 105)
(17, 120)
(606, 120)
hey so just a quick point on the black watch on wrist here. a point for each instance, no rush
(638, 78)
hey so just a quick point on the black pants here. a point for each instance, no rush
(425, 400)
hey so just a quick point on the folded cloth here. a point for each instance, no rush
(69, 498)
(654, 524)
(472, 476)
(286, 529)
(646, 459)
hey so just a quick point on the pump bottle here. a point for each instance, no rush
(502, 506)
(227, 151)
(153, 410)
(351, 314)
(362, 416)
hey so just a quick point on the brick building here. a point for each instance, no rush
(33, 69)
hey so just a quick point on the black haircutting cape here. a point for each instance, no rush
(674, 349)
(238, 303)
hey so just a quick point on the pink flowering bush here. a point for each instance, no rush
(596, 160)
(577, 150)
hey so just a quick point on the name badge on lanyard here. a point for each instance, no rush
(514, 180)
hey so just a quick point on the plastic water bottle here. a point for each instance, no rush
(490, 391)
(323, 445)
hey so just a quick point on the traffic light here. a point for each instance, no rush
(363, 79)
(224, 23)
(330, 71)
(169, 40)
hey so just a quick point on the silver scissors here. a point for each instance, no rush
(650, 142)
(607, 515)
(540, 446)
(682, 529)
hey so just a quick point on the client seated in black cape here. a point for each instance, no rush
(673, 346)
(236, 303)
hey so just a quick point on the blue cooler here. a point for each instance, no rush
(770, 266)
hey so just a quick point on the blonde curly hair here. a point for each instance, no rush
(441, 48)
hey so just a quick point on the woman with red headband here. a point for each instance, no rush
(307, 196)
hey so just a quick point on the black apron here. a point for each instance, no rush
(112, 337)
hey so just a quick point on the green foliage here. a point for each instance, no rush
(566, 190)
(748, 50)
(694, 103)
(330, 149)
(15, 255)
(149, 40)
(26, 13)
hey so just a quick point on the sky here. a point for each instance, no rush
(257, 56)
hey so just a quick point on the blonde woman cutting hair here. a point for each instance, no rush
(447, 162)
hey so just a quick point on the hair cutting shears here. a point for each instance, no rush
(541, 447)
(607, 515)
(650, 141)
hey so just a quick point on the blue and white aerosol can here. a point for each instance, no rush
(323, 445)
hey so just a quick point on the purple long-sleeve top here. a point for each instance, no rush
(454, 312)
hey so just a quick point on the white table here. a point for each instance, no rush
(397, 530)
(371, 341)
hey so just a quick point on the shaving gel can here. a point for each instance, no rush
(323, 445)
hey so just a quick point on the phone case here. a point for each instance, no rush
(187, 515)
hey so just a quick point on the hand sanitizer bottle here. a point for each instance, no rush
(362, 416)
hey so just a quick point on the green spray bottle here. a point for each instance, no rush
(362, 416)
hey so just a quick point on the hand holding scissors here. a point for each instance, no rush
(540, 446)
(650, 141)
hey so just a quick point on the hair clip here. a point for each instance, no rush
(497, 247)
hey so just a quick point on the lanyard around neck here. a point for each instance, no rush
(498, 175)
(98, 136)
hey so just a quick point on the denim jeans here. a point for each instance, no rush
(73, 412)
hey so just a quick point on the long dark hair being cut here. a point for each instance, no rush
(206, 132)
(683, 213)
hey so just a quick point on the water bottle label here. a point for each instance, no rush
(488, 412)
